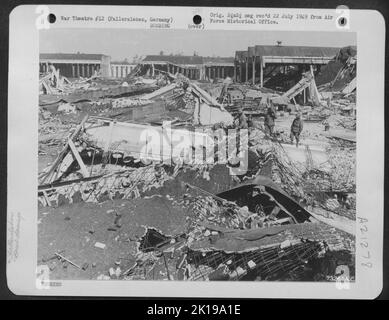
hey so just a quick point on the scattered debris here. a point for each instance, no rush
(100, 245)
(62, 258)
(291, 209)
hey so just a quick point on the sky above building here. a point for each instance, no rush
(127, 43)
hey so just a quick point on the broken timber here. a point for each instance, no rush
(137, 141)
(307, 82)
(303, 84)
(65, 157)
(288, 205)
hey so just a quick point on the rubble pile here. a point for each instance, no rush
(287, 173)
(52, 132)
(342, 169)
(349, 123)
(247, 98)
(166, 257)
(54, 83)
(207, 253)
(128, 102)
(266, 264)
(339, 73)
(340, 174)
(222, 213)
(116, 185)
(291, 208)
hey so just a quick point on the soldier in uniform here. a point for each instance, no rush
(296, 128)
(269, 118)
(243, 121)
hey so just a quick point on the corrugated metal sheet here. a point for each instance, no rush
(123, 63)
(218, 60)
(251, 51)
(71, 56)
(190, 60)
(175, 59)
(293, 51)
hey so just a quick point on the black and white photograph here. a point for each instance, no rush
(195, 152)
(213, 156)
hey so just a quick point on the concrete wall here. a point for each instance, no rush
(72, 69)
(105, 67)
(121, 70)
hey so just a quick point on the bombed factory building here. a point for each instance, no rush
(194, 67)
(85, 65)
(75, 65)
(259, 63)
(199, 168)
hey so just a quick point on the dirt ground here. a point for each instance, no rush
(74, 229)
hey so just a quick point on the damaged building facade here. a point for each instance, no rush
(120, 69)
(85, 65)
(193, 67)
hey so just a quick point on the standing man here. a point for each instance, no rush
(250, 122)
(269, 118)
(326, 125)
(296, 128)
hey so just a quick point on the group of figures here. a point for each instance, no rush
(296, 128)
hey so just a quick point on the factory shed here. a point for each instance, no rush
(74, 65)
(252, 63)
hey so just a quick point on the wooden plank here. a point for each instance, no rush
(43, 176)
(281, 206)
(334, 220)
(78, 158)
(299, 87)
(351, 86)
(46, 198)
(62, 167)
